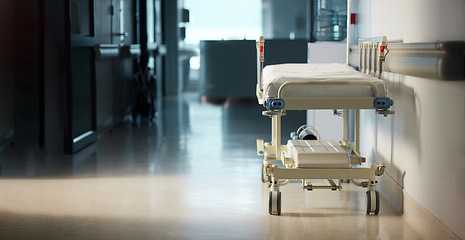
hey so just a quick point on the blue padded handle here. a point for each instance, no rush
(382, 103)
(274, 104)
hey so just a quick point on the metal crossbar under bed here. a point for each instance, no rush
(316, 159)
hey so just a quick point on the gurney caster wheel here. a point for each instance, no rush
(372, 202)
(275, 203)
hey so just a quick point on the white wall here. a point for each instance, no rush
(423, 143)
(327, 52)
(325, 122)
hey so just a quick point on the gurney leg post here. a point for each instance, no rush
(276, 133)
(344, 126)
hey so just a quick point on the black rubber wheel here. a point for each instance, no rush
(270, 204)
(369, 202)
(368, 199)
(278, 204)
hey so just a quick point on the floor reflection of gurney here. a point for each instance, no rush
(321, 86)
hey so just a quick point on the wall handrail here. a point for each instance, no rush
(442, 60)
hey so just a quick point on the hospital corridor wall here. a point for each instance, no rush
(33, 70)
(423, 142)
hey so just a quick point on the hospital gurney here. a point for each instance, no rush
(321, 86)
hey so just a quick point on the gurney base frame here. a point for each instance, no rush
(273, 173)
(277, 152)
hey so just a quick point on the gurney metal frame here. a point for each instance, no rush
(371, 62)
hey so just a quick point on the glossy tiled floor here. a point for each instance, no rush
(192, 174)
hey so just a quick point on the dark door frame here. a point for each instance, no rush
(74, 144)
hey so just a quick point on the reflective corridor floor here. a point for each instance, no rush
(193, 173)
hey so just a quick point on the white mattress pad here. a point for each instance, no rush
(276, 75)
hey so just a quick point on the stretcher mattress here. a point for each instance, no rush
(318, 154)
(275, 75)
